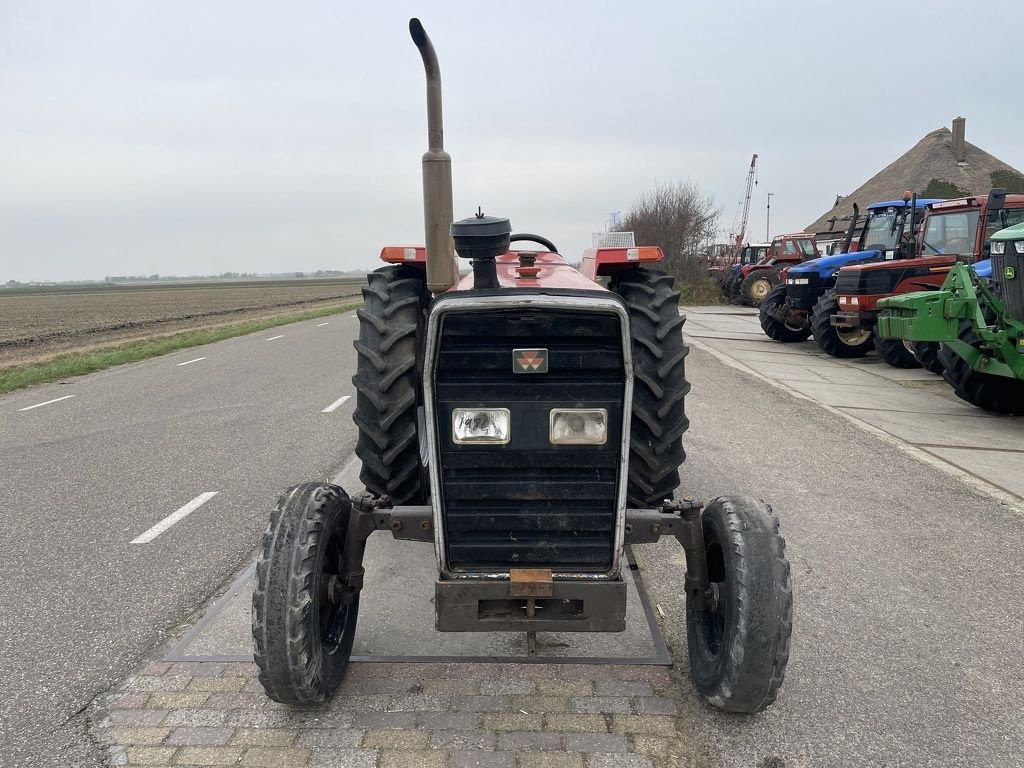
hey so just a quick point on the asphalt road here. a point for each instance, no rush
(82, 477)
(908, 600)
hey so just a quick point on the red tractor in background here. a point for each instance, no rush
(952, 231)
(752, 282)
(526, 422)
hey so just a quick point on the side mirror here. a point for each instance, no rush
(986, 250)
(996, 199)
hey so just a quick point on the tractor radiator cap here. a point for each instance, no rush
(481, 237)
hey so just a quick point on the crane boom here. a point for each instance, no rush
(746, 202)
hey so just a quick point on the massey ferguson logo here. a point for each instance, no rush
(530, 360)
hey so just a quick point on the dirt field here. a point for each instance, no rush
(36, 323)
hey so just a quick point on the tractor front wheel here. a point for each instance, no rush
(660, 385)
(302, 632)
(896, 352)
(778, 322)
(997, 394)
(927, 354)
(739, 651)
(755, 287)
(835, 341)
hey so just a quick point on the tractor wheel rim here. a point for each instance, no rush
(333, 615)
(760, 289)
(853, 337)
(909, 345)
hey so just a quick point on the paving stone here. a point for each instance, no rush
(463, 739)
(127, 700)
(134, 717)
(601, 704)
(419, 703)
(385, 719)
(499, 687)
(237, 701)
(655, 705)
(654, 725)
(396, 739)
(140, 735)
(343, 758)
(450, 721)
(331, 738)
(242, 669)
(652, 746)
(189, 736)
(402, 758)
(249, 719)
(155, 668)
(177, 700)
(208, 756)
(151, 684)
(217, 684)
(195, 717)
(197, 668)
(276, 757)
(600, 760)
(513, 721)
(595, 742)
(383, 685)
(480, 703)
(265, 737)
(483, 759)
(534, 704)
(550, 760)
(150, 755)
(528, 741)
(576, 722)
(462, 687)
(252, 686)
(565, 687)
(623, 688)
(368, 703)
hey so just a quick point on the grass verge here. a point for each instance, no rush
(80, 363)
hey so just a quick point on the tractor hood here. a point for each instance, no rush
(827, 266)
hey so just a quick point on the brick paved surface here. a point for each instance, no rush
(401, 716)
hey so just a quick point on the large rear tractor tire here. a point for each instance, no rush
(896, 352)
(996, 394)
(772, 314)
(738, 653)
(660, 385)
(755, 287)
(837, 342)
(302, 637)
(927, 354)
(387, 382)
(731, 288)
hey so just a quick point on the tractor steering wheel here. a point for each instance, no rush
(519, 237)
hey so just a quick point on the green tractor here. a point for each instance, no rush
(980, 325)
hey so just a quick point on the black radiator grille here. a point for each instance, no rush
(529, 503)
(1011, 288)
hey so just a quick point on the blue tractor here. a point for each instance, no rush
(801, 305)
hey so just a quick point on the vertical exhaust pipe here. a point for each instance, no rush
(437, 175)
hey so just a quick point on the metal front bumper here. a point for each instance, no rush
(471, 605)
(848, 319)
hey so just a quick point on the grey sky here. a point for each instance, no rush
(202, 137)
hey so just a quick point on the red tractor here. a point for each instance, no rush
(752, 282)
(952, 230)
(527, 423)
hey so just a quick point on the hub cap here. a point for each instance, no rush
(853, 337)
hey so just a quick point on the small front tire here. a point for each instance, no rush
(738, 654)
(302, 637)
(835, 341)
(773, 310)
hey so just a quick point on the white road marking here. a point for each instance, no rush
(189, 362)
(40, 405)
(279, 336)
(321, 325)
(333, 406)
(174, 517)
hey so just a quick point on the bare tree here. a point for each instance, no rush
(681, 219)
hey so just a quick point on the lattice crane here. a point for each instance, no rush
(751, 183)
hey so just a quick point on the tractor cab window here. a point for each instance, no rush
(789, 248)
(880, 229)
(808, 249)
(951, 232)
(998, 220)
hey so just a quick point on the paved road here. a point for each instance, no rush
(907, 644)
(84, 476)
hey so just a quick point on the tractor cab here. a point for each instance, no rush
(755, 280)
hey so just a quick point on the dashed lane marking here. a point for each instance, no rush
(176, 516)
(279, 336)
(333, 406)
(321, 325)
(189, 362)
(40, 405)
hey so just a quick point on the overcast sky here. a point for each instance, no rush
(203, 137)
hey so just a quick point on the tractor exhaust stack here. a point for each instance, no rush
(437, 175)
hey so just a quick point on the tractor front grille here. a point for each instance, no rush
(803, 295)
(1012, 288)
(867, 282)
(529, 503)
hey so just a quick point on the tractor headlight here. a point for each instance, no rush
(480, 426)
(578, 426)
(797, 281)
(999, 248)
(1019, 246)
